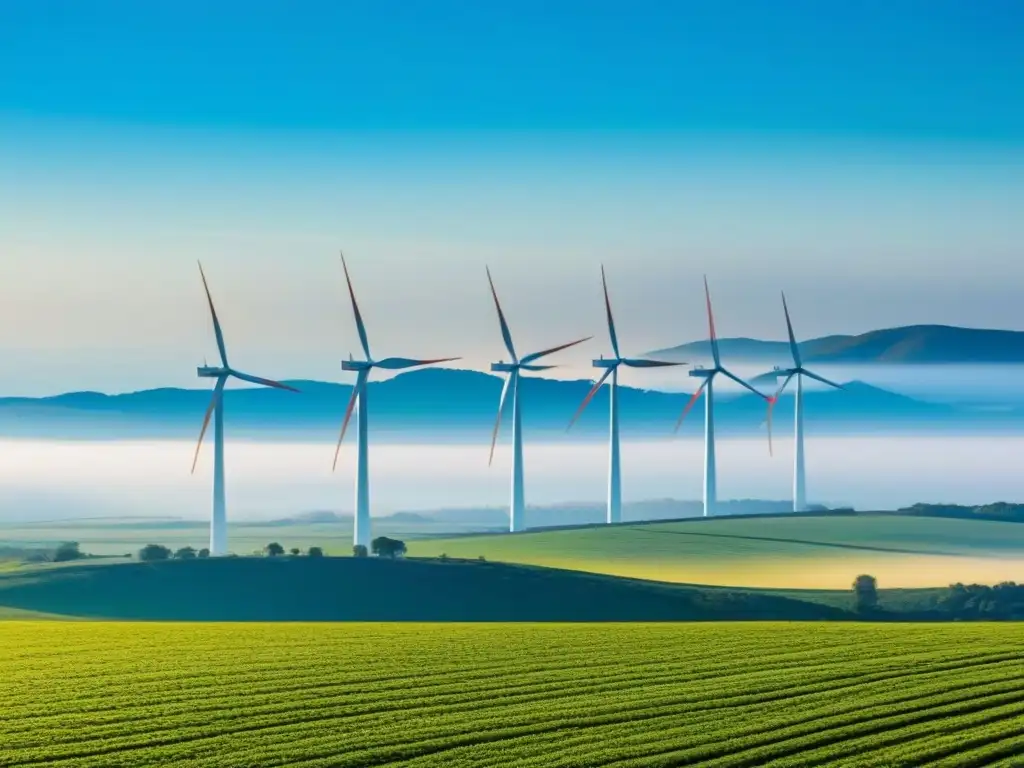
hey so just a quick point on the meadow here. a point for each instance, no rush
(778, 552)
(133, 694)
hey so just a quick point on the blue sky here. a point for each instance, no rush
(866, 157)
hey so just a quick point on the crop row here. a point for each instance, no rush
(87, 694)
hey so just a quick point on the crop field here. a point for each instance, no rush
(824, 552)
(127, 694)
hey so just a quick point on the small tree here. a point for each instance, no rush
(204, 552)
(295, 551)
(185, 553)
(865, 593)
(359, 550)
(382, 546)
(152, 552)
(273, 549)
(67, 551)
(315, 552)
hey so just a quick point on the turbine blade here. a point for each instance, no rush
(217, 392)
(793, 347)
(506, 334)
(771, 407)
(589, 397)
(216, 323)
(608, 311)
(769, 377)
(356, 390)
(711, 325)
(398, 363)
(360, 327)
(257, 380)
(536, 367)
(501, 410)
(690, 402)
(544, 353)
(785, 384)
(742, 383)
(643, 363)
(822, 379)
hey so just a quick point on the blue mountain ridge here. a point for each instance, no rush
(909, 345)
(446, 402)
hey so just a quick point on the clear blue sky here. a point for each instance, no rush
(867, 157)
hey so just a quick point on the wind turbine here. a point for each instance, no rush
(798, 372)
(514, 369)
(219, 523)
(361, 532)
(611, 368)
(707, 386)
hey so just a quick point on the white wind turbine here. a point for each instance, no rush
(707, 387)
(513, 369)
(361, 532)
(611, 368)
(798, 372)
(219, 523)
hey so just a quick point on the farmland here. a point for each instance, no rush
(125, 694)
(781, 552)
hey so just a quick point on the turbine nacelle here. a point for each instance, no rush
(356, 365)
(613, 362)
(704, 373)
(211, 372)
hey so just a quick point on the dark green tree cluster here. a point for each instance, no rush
(67, 552)
(1004, 601)
(382, 546)
(865, 593)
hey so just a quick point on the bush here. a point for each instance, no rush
(67, 552)
(315, 552)
(865, 593)
(152, 552)
(185, 553)
(359, 550)
(382, 546)
(204, 552)
(295, 551)
(273, 549)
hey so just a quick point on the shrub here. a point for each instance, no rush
(359, 550)
(273, 549)
(152, 552)
(67, 552)
(315, 552)
(185, 553)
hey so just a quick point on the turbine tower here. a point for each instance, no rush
(219, 523)
(798, 372)
(514, 369)
(361, 532)
(611, 368)
(707, 387)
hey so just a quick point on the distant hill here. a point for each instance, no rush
(370, 589)
(445, 404)
(914, 344)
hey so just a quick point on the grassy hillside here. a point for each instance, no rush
(529, 695)
(370, 589)
(824, 552)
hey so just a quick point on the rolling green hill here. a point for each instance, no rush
(371, 589)
(638, 695)
(798, 552)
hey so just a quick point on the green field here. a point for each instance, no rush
(127, 694)
(824, 552)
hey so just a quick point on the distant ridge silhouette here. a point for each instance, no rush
(912, 344)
